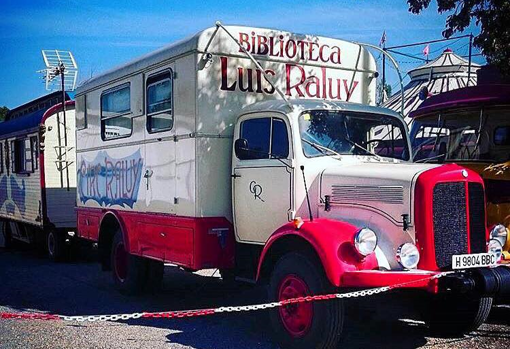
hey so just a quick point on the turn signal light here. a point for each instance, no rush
(298, 222)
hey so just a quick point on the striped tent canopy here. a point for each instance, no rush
(447, 72)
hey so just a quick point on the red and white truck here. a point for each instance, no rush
(256, 151)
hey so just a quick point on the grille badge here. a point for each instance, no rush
(465, 173)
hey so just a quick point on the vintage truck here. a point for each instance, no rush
(256, 152)
(471, 127)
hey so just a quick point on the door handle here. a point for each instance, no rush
(147, 175)
(235, 175)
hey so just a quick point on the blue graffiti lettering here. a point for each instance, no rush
(110, 181)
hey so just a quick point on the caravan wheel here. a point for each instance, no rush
(6, 232)
(55, 246)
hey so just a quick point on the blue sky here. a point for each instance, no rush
(102, 34)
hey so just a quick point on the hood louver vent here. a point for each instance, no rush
(367, 193)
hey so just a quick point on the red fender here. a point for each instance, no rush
(334, 243)
(122, 225)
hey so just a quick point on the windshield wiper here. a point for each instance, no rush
(320, 148)
(348, 139)
(362, 148)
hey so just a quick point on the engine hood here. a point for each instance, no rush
(386, 188)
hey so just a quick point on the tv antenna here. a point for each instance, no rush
(60, 64)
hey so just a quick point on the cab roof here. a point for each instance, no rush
(309, 104)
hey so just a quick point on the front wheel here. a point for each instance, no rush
(458, 315)
(129, 272)
(304, 325)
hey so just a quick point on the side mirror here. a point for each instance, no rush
(241, 148)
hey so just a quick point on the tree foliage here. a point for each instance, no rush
(3, 113)
(492, 16)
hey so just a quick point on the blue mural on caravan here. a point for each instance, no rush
(12, 195)
(110, 181)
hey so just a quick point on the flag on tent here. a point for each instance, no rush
(426, 50)
(383, 39)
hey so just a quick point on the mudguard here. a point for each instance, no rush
(333, 241)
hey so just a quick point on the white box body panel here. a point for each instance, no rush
(190, 165)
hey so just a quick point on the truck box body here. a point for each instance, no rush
(189, 164)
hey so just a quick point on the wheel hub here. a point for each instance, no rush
(296, 318)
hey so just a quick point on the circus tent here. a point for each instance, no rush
(447, 72)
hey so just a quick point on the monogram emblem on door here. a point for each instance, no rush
(256, 190)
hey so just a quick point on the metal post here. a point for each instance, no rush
(383, 75)
(62, 78)
(470, 57)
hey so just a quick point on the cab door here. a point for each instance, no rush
(262, 177)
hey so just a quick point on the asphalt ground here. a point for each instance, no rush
(30, 282)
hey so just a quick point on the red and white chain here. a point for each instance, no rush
(204, 312)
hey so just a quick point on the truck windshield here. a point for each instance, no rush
(461, 136)
(326, 132)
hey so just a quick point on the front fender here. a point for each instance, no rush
(332, 241)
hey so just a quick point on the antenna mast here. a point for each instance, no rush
(61, 63)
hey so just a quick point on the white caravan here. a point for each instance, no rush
(37, 174)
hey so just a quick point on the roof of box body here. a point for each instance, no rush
(194, 43)
(311, 104)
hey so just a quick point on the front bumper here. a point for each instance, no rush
(484, 281)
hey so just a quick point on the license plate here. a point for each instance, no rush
(465, 261)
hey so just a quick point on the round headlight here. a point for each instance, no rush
(500, 233)
(365, 241)
(495, 247)
(408, 255)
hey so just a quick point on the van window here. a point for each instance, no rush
(116, 120)
(22, 156)
(1, 158)
(81, 112)
(35, 151)
(265, 136)
(502, 135)
(159, 102)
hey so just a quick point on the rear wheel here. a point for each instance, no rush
(458, 315)
(129, 272)
(56, 246)
(304, 325)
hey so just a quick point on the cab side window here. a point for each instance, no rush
(265, 137)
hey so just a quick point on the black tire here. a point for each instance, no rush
(454, 316)
(321, 330)
(6, 232)
(129, 272)
(155, 271)
(228, 276)
(56, 247)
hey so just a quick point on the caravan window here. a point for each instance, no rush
(35, 151)
(22, 156)
(1, 158)
(116, 113)
(159, 102)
